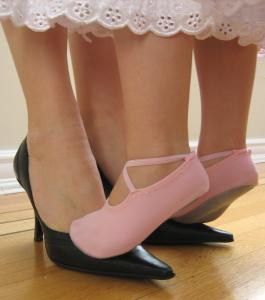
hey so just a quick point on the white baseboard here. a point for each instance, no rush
(9, 184)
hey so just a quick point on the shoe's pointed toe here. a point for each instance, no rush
(173, 233)
(143, 264)
(214, 235)
(138, 263)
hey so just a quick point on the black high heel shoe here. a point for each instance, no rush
(173, 233)
(138, 263)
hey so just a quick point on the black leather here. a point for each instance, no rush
(173, 233)
(138, 263)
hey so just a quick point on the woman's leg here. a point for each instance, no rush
(155, 76)
(63, 173)
(226, 74)
(99, 97)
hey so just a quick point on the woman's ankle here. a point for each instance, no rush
(206, 148)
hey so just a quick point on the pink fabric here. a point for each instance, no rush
(115, 230)
(216, 155)
(236, 170)
(148, 162)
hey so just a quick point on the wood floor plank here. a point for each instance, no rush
(250, 204)
(14, 202)
(192, 264)
(17, 226)
(261, 169)
(262, 181)
(16, 216)
(224, 282)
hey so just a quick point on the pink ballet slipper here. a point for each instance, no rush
(115, 230)
(229, 178)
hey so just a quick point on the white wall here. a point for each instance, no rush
(12, 106)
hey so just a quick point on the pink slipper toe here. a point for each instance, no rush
(115, 230)
(229, 178)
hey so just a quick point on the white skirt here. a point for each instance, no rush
(223, 19)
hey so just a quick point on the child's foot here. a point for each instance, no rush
(116, 229)
(231, 174)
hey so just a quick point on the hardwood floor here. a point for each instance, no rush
(235, 271)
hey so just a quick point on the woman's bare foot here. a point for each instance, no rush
(64, 178)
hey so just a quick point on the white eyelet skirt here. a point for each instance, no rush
(223, 19)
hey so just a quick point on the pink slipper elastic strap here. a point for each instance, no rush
(151, 162)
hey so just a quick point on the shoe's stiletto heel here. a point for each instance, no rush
(138, 263)
(230, 178)
(174, 233)
(38, 233)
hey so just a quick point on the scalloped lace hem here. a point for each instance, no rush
(222, 19)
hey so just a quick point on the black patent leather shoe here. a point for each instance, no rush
(173, 233)
(138, 263)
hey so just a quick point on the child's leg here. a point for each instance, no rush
(99, 97)
(155, 75)
(226, 74)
